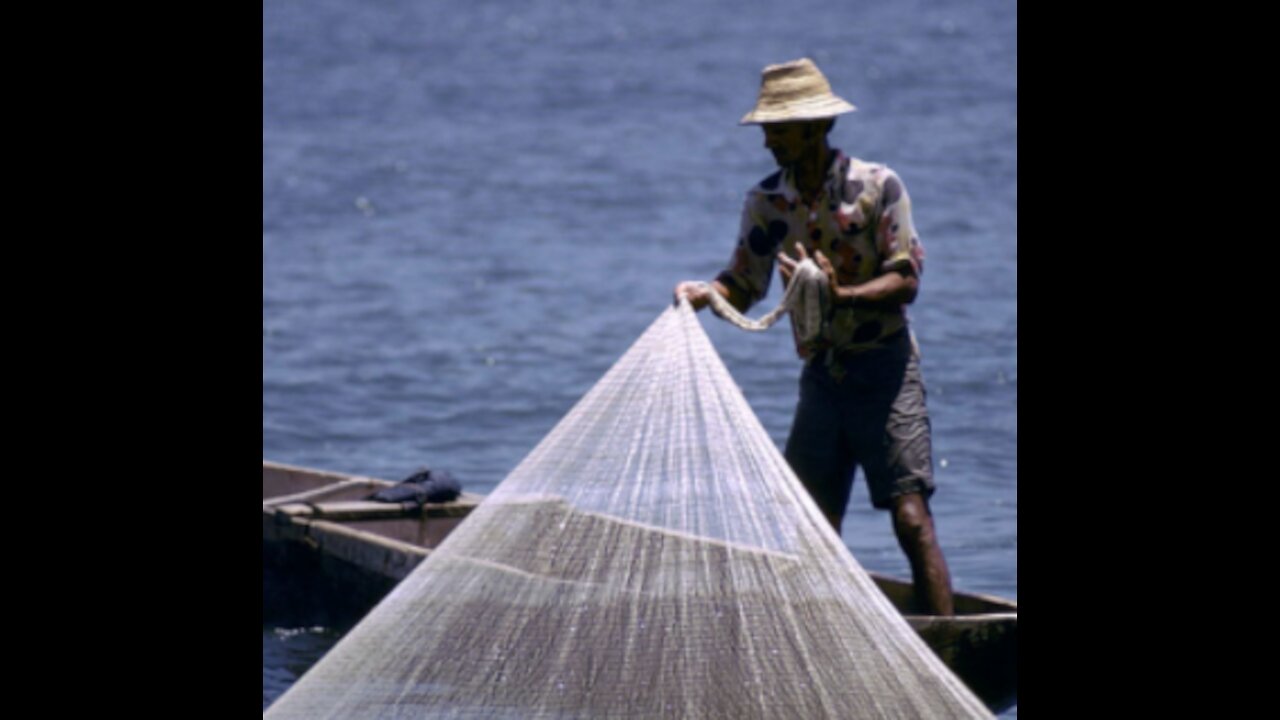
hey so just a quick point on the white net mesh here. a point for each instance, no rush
(653, 557)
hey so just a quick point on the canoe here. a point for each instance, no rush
(328, 557)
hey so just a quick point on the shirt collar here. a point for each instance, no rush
(831, 184)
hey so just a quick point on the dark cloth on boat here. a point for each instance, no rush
(424, 486)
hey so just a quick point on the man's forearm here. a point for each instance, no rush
(892, 289)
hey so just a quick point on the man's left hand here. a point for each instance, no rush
(787, 268)
(829, 270)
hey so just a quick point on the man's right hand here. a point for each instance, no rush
(698, 293)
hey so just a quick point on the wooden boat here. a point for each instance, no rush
(328, 557)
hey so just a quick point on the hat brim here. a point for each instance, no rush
(819, 109)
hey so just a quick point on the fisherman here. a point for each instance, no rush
(862, 397)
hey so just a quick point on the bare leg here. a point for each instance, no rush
(913, 524)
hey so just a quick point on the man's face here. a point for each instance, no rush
(791, 141)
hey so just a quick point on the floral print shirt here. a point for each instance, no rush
(861, 220)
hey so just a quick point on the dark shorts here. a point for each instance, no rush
(874, 418)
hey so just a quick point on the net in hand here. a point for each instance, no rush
(653, 557)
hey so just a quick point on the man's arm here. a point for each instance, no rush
(745, 281)
(893, 289)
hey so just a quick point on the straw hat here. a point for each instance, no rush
(795, 90)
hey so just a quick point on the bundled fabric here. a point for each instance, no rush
(653, 557)
(424, 486)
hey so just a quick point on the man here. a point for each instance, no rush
(862, 399)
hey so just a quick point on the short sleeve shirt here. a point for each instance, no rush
(861, 221)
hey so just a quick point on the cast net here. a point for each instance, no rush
(653, 557)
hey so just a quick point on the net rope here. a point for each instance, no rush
(807, 298)
(653, 556)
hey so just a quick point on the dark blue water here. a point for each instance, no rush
(471, 210)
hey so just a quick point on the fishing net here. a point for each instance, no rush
(653, 557)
